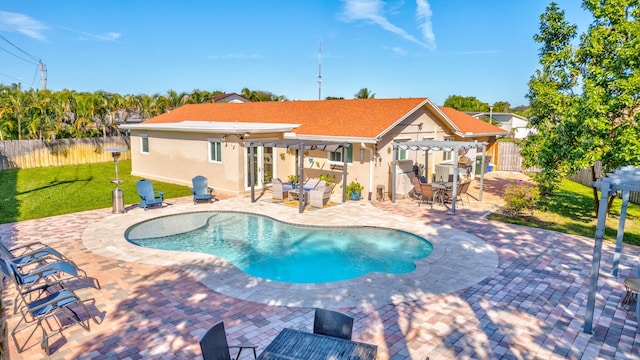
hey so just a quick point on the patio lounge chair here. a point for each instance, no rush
(21, 249)
(42, 275)
(214, 345)
(332, 323)
(201, 191)
(148, 196)
(319, 197)
(32, 256)
(43, 308)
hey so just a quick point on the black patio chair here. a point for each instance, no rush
(332, 323)
(214, 345)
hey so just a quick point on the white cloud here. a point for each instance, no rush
(372, 11)
(23, 24)
(108, 36)
(423, 15)
(397, 49)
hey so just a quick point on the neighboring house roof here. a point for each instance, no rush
(468, 124)
(230, 97)
(356, 118)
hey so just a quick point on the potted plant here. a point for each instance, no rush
(354, 189)
(292, 181)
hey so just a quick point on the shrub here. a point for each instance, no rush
(519, 198)
(328, 179)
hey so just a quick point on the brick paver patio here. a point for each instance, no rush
(532, 307)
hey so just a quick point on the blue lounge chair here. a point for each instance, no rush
(148, 196)
(27, 257)
(42, 310)
(201, 190)
(47, 300)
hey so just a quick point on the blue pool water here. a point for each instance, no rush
(275, 250)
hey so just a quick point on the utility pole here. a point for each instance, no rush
(43, 75)
(320, 70)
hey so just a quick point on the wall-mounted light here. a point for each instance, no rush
(223, 138)
(361, 154)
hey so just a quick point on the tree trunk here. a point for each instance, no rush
(596, 198)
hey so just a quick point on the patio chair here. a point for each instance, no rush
(44, 308)
(332, 323)
(201, 190)
(148, 196)
(428, 195)
(320, 196)
(277, 189)
(414, 193)
(21, 249)
(24, 258)
(43, 275)
(461, 189)
(465, 191)
(214, 345)
(311, 184)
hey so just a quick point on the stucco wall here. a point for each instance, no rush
(178, 157)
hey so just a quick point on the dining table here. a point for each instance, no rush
(291, 344)
(441, 188)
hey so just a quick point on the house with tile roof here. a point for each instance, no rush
(516, 125)
(211, 140)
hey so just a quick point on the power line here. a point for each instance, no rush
(18, 56)
(19, 49)
(38, 62)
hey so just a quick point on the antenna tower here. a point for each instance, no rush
(320, 70)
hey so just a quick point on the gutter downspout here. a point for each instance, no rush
(370, 168)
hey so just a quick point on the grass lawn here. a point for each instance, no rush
(42, 192)
(570, 210)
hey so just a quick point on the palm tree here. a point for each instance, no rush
(364, 93)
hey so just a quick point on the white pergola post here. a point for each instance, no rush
(625, 179)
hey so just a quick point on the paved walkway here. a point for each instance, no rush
(531, 306)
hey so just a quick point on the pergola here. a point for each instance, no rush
(426, 146)
(622, 181)
(300, 146)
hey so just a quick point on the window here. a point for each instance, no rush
(402, 154)
(144, 144)
(447, 155)
(336, 156)
(215, 151)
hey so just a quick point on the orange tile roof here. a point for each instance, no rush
(366, 118)
(468, 124)
(351, 118)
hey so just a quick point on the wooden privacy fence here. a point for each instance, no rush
(584, 177)
(509, 159)
(24, 154)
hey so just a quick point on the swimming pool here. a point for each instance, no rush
(276, 250)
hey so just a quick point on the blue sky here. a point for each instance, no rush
(422, 48)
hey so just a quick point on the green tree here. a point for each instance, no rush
(600, 122)
(501, 106)
(552, 102)
(466, 103)
(364, 93)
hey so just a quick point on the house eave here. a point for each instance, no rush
(214, 127)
